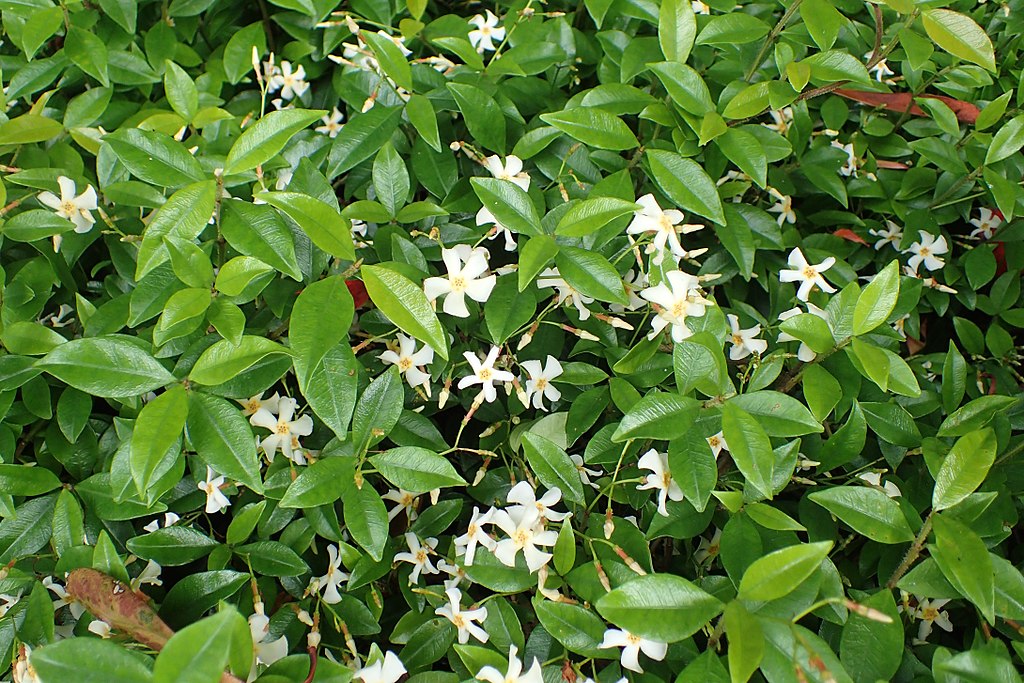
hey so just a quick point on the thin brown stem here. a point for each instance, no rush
(912, 553)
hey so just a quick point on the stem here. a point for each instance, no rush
(770, 38)
(913, 553)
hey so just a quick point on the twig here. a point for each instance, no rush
(770, 38)
(912, 553)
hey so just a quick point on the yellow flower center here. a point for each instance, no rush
(421, 556)
(404, 363)
(541, 384)
(810, 273)
(459, 621)
(925, 251)
(67, 206)
(632, 640)
(737, 340)
(679, 309)
(929, 614)
(520, 538)
(458, 283)
(485, 374)
(282, 428)
(714, 441)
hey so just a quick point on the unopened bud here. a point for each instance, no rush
(442, 397)
(609, 525)
(434, 495)
(867, 612)
(313, 639)
(524, 341)
(303, 617)
(455, 146)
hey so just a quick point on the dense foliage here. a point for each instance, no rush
(529, 342)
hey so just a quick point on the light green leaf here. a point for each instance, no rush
(321, 222)
(416, 470)
(661, 607)
(877, 300)
(779, 573)
(960, 36)
(405, 304)
(867, 511)
(686, 183)
(111, 367)
(553, 467)
(677, 29)
(594, 127)
(224, 361)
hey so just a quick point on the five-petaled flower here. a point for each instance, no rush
(216, 501)
(929, 614)
(418, 556)
(387, 670)
(892, 234)
(522, 494)
(486, 32)
(680, 299)
(783, 206)
(410, 361)
(666, 225)
(463, 620)
(631, 647)
(986, 223)
(485, 374)
(475, 535)
(525, 529)
(552, 278)
(76, 209)
(291, 83)
(539, 386)
(744, 342)
(659, 479)
(514, 673)
(927, 250)
(284, 432)
(333, 578)
(511, 170)
(332, 123)
(807, 275)
(466, 267)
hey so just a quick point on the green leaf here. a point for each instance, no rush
(238, 49)
(406, 306)
(224, 361)
(361, 138)
(964, 468)
(390, 178)
(553, 467)
(262, 141)
(685, 86)
(954, 378)
(823, 22)
(732, 29)
(322, 223)
(272, 558)
(677, 29)
(779, 414)
(867, 511)
(661, 607)
(378, 409)
(390, 58)
(960, 36)
(183, 216)
(577, 628)
(259, 231)
(113, 366)
(591, 215)
(367, 520)
(594, 127)
(320, 320)
(88, 52)
(746, 642)
(509, 204)
(877, 300)
(821, 390)
(591, 274)
(750, 447)
(199, 653)
(836, 65)
(29, 128)
(658, 415)
(871, 648)
(975, 415)
(223, 439)
(508, 309)
(534, 257)
(483, 116)
(750, 101)
(172, 546)
(154, 158)
(22, 480)
(743, 149)
(108, 662)
(1007, 141)
(965, 562)
(321, 483)
(181, 91)
(157, 429)
(686, 184)
(330, 387)
(416, 470)
(892, 423)
(779, 573)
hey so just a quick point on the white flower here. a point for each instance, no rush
(284, 177)
(986, 223)
(927, 251)
(660, 479)
(150, 575)
(170, 519)
(699, 7)
(388, 670)
(463, 619)
(676, 301)
(585, 472)
(486, 31)
(485, 217)
(849, 167)
(805, 353)
(332, 123)
(100, 628)
(465, 268)
(332, 580)
(74, 208)
(63, 598)
(252, 405)
(783, 207)
(511, 170)
(399, 42)
(539, 386)
(441, 64)
(875, 479)
(928, 612)
(60, 318)
(780, 120)
(514, 674)
(24, 672)
(717, 443)
(485, 375)
(406, 501)
(881, 70)
(265, 651)
(631, 646)
(892, 235)
(743, 341)
(7, 602)
(666, 225)
(410, 361)
(523, 495)
(216, 501)
(285, 432)
(551, 278)
(708, 550)
(418, 556)
(807, 275)
(457, 573)
(291, 83)
(466, 543)
(633, 281)
(525, 529)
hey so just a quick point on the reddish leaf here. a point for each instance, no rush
(849, 235)
(893, 101)
(117, 604)
(358, 292)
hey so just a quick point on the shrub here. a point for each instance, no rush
(601, 340)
